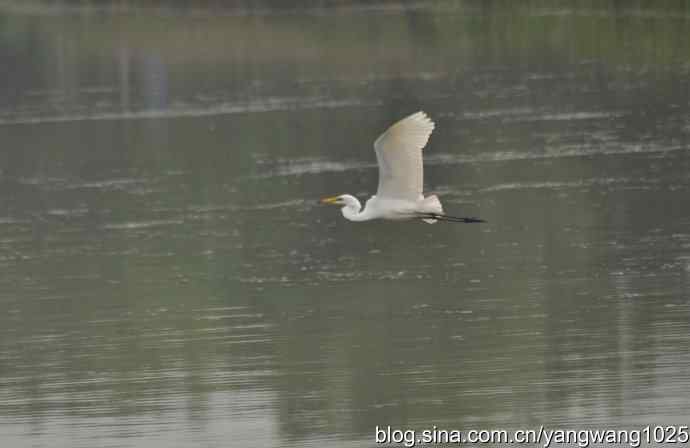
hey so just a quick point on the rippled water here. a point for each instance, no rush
(169, 278)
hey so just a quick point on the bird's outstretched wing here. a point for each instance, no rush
(399, 155)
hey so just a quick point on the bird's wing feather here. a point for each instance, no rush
(399, 155)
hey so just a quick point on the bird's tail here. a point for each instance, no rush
(432, 206)
(432, 211)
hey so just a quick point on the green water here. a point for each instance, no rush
(169, 278)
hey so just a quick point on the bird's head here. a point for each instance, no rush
(343, 200)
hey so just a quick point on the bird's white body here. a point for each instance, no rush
(390, 208)
(401, 178)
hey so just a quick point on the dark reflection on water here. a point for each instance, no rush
(169, 279)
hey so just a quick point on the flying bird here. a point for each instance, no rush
(401, 178)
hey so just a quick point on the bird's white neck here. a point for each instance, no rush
(352, 209)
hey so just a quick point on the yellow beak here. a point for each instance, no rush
(330, 200)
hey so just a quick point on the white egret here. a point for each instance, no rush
(401, 178)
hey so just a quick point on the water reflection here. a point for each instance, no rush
(170, 280)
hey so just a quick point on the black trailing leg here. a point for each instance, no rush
(448, 218)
